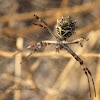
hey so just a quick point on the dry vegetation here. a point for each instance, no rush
(51, 75)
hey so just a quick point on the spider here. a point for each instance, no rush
(65, 29)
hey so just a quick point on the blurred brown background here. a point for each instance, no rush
(47, 74)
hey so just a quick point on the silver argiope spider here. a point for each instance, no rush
(65, 28)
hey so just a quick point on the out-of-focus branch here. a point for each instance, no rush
(88, 27)
(48, 13)
(64, 3)
(49, 20)
(48, 54)
(98, 81)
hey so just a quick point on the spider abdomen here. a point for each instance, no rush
(66, 27)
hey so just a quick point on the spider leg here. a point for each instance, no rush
(92, 80)
(58, 48)
(37, 46)
(86, 70)
(40, 20)
(87, 79)
(46, 25)
(78, 41)
(41, 26)
(22, 50)
(26, 57)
